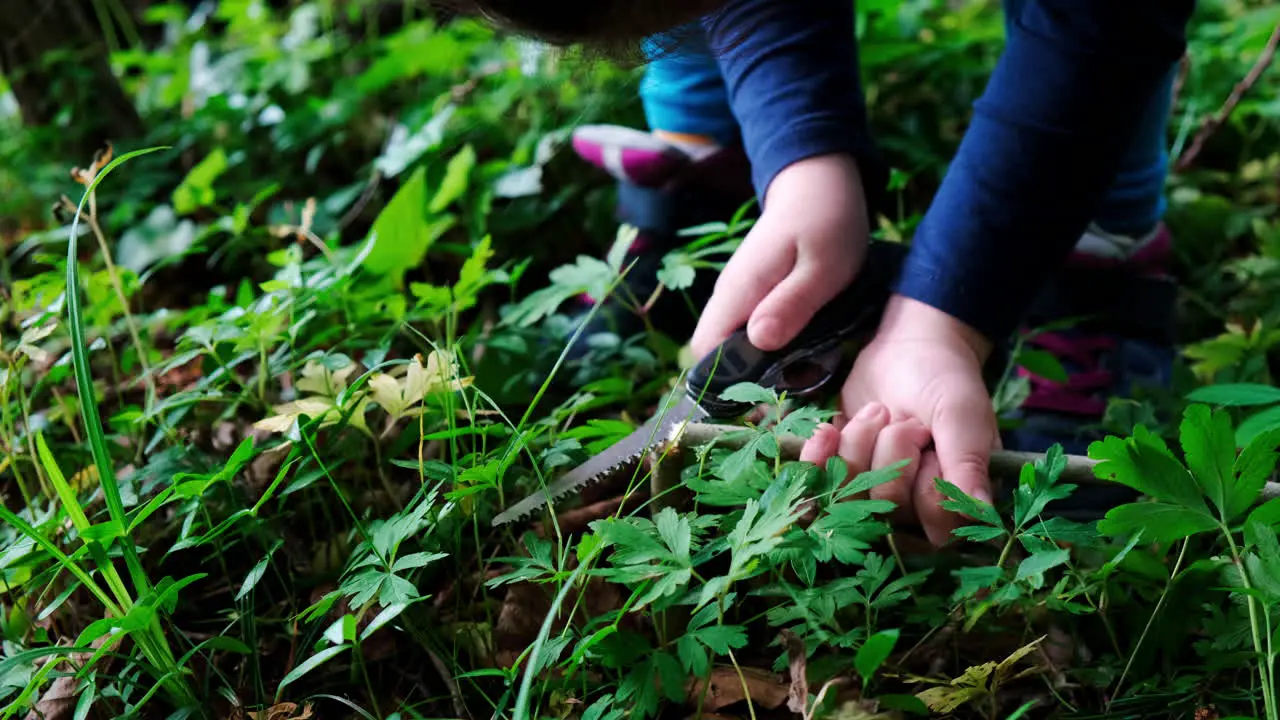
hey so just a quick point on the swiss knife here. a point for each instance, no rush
(801, 368)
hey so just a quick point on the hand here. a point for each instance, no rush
(919, 379)
(806, 247)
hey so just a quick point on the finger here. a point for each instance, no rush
(858, 438)
(900, 441)
(790, 305)
(925, 494)
(746, 279)
(963, 444)
(823, 444)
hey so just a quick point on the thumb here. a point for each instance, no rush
(963, 435)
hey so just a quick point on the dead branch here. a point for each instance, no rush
(1004, 464)
(1212, 123)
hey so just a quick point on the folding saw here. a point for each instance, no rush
(802, 367)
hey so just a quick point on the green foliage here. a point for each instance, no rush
(251, 458)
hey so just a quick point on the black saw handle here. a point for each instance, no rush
(810, 360)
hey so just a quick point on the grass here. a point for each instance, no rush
(253, 433)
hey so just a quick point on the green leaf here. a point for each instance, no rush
(747, 392)
(457, 177)
(1254, 466)
(692, 655)
(403, 232)
(1256, 425)
(1041, 562)
(1144, 463)
(310, 664)
(1038, 485)
(1266, 514)
(417, 560)
(963, 503)
(678, 272)
(1158, 521)
(721, 638)
(1044, 364)
(196, 189)
(979, 533)
(874, 652)
(254, 576)
(1210, 450)
(1237, 394)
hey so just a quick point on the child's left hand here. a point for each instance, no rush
(807, 246)
(919, 379)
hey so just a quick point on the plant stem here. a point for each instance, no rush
(1268, 691)
(1173, 575)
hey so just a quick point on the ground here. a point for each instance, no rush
(249, 467)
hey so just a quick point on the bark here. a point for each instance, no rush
(55, 60)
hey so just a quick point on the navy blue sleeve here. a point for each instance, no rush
(1042, 147)
(792, 74)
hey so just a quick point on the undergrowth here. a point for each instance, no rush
(268, 374)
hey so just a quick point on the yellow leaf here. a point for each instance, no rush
(946, 699)
(318, 379)
(442, 373)
(385, 391)
(288, 413)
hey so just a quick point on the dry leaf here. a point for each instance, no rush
(60, 699)
(726, 688)
(1207, 712)
(282, 711)
(798, 668)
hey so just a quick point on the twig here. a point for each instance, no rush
(1004, 464)
(1184, 69)
(1216, 121)
(459, 705)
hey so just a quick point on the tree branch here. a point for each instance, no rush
(1212, 123)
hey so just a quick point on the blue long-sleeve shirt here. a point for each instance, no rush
(1044, 142)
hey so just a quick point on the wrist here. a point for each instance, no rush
(821, 175)
(906, 318)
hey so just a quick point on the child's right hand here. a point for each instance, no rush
(809, 243)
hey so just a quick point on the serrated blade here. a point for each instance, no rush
(654, 431)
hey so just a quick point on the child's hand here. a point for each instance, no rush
(920, 378)
(806, 247)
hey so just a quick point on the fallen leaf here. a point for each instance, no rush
(60, 699)
(798, 668)
(1208, 712)
(282, 711)
(726, 688)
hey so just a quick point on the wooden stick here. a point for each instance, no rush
(1004, 465)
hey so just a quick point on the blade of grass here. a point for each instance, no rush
(80, 521)
(84, 380)
(153, 642)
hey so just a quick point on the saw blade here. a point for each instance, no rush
(655, 430)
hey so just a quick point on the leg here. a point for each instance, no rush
(688, 171)
(1117, 279)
